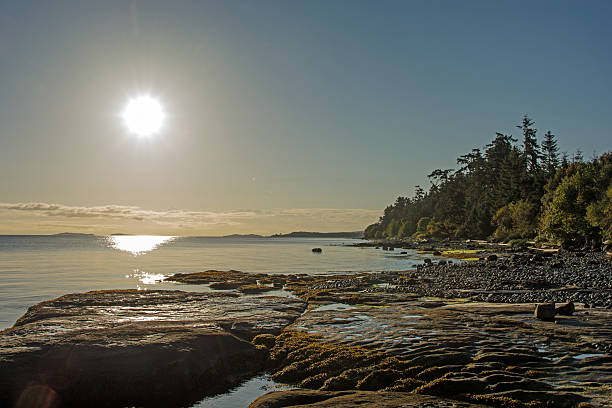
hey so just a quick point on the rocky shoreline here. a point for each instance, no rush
(136, 348)
(448, 334)
(505, 274)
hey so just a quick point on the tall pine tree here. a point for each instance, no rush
(551, 153)
(531, 150)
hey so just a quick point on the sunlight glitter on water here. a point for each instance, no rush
(138, 244)
(147, 278)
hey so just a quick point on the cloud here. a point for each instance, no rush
(124, 212)
(32, 215)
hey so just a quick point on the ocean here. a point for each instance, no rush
(36, 268)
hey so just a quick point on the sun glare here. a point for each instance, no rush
(143, 115)
(137, 244)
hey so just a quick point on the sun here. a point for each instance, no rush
(143, 115)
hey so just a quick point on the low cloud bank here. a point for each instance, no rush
(34, 217)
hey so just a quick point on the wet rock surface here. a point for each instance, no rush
(306, 398)
(426, 332)
(147, 348)
(492, 354)
(247, 283)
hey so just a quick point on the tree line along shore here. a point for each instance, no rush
(509, 191)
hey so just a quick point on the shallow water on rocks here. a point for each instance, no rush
(483, 333)
(333, 306)
(244, 394)
(587, 355)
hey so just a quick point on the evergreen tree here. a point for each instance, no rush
(565, 160)
(578, 157)
(551, 155)
(419, 193)
(531, 150)
(499, 169)
(506, 192)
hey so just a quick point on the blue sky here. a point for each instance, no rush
(326, 107)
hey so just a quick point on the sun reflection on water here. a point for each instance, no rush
(138, 244)
(146, 278)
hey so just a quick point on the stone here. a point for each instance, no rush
(254, 289)
(442, 358)
(522, 384)
(314, 382)
(492, 258)
(437, 253)
(266, 339)
(566, 309)
(224, 285)
(405, 384)
(545, 311)
(553, 398)
(432, 373)
(537, 258)
(346, 381)
(448, 387)
(509, 357)
(378, 379)
(318, 250)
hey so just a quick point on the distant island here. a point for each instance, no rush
(304, 234)
(242, 236)
(300, 234)
(72, 234)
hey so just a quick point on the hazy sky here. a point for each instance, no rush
(282, 115)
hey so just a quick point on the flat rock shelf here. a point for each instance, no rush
(143, 348)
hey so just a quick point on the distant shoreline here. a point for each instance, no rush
(297, 234)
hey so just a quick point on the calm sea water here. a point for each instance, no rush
(35, 268)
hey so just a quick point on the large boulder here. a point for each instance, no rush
(143, 348)
(566, 309)
(545, 311)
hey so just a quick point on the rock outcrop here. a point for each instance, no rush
(545, 311)
(340, 399)
(142, 348)
(481, 353)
